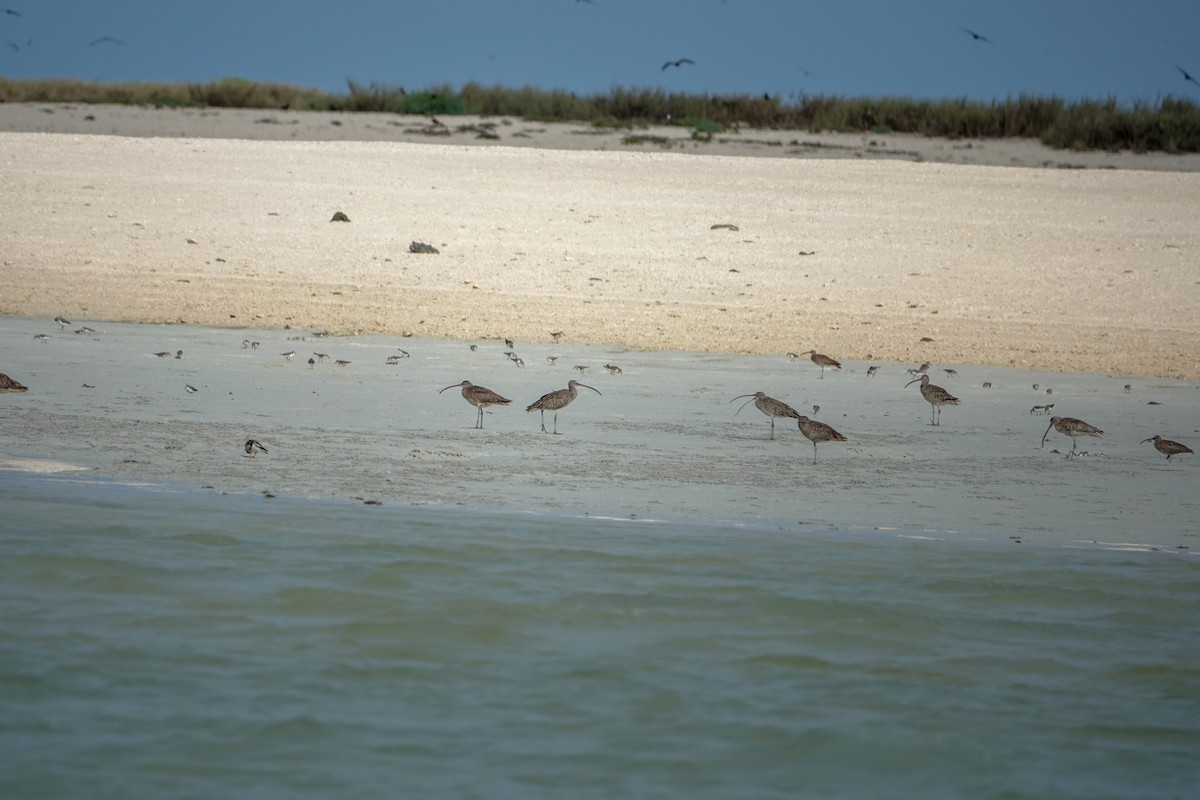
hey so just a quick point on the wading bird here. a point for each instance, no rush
(822, 361)
(1168, 447)
(768, 405)
(936, 396)
(1069, 426)
(555, 400)
(818, 432)
(252, 445)
(480, 397)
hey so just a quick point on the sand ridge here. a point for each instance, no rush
(1062, 270)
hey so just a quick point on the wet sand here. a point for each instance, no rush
(661, 441)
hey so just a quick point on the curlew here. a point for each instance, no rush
(936, 396)
(480, 397)
(252, 445)
(822, 361)
(1069, 426)
(768, 405)
(7, 384)
(555, 400)
(818, 432)
(1167, 447)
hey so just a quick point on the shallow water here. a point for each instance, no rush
(662, 441)
(167, 644)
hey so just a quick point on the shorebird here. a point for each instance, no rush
(1041, 409)
(62, 323)
(311, 362)
(479, 397)
(320, 356)
(1186, 76)
(919, 370)
(41, 337)
(288, 355)
(768, 405)
(1069, 426)
(936, 397)
(979, 37)
(613, 369)
(950, 373)
(341, 362)
(1167, 447)
(390, 360)
(580, 368)
(509, 344)
(179, 354)
(818, 432)
(163, 354)
(553, 401)
(551, 359)
(556, 335)
(252, 445)
(190, 389)
(871, 371)
(678, 63)
(85, 329)
(7, 384)
(403, 353)
(822, 361)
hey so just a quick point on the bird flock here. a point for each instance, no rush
(815, 431)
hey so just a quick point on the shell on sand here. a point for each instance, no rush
(7, 384)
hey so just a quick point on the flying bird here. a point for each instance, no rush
(1187, 76)
(20, 47)
(979, 37)
(678, 63)
(103, 40)
(12, 12)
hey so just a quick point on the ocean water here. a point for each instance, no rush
(168, 644)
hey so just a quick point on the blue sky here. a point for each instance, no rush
(782, 47)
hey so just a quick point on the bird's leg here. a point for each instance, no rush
(814, 452)
(772, 429)
(556, 422)
(480, 425)
(543, 412)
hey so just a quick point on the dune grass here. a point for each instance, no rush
(1170, 125)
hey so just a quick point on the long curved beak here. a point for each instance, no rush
(743, 405)
(910, 383)
(1047, 433)
(1143, 441)
(452, 386)
(584, 385)
(739, 397)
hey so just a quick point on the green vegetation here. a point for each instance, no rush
(1169, 125)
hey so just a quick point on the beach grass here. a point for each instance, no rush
(1169, 124)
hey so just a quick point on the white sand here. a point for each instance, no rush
(1072, 270)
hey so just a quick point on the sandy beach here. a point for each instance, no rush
(903, 258)
(694, 275)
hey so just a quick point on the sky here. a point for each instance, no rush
(785, 48)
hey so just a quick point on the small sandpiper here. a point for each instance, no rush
(62, 323)
(41, 337)
(190, 389)
(321, 356)
(252, 445)
(613, 369)
(163, 354)
(288, 355)
(341, 362)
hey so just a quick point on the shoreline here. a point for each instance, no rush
(662, 440)
(1040, 269)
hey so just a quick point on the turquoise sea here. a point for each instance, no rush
(167, 644)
